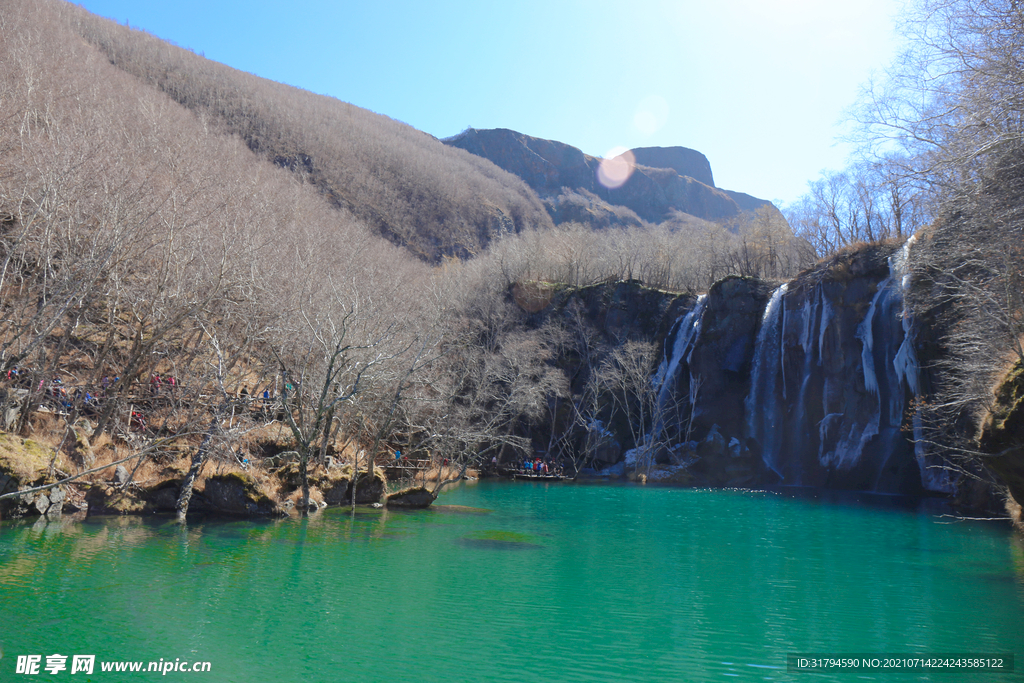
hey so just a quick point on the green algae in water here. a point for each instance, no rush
(460, 510)
(500, 540)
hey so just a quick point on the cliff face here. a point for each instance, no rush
(596, 321)
(716, 375)
(545, 165)
(1002, 438)
(654, 193)
(602, 315)
(807, 384)
(664, 180)
(814, 381)
(682, 160)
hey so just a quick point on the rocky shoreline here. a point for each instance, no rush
(260, 493)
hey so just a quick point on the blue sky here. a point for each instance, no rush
(759, 86)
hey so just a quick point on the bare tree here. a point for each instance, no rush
(328, 368)
(868, 202)
(952, 100)
(625, 376)
(970, 273)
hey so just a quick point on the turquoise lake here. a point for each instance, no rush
(545, 582)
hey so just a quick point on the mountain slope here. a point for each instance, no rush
(418, 192)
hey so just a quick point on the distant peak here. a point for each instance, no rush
(682, 160)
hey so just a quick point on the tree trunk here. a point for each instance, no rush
(304, 475)
(198, 460)
(355, 480)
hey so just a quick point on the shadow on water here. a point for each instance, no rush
(928, 505)
(499, 540)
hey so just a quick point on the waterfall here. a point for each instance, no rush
(686, 334)
(826, 372)
(891, 373)
(815, 309)
(826, 317)
(865, 333)
(761, 406)
(687, 330)
(908, 372)
(905, 362)
(875, 328)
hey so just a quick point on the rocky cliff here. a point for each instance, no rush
(683, 160)
(1002, 438)
(663, 180)
(805, 383)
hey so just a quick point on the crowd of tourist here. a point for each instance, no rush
(539, 467)
(62, 395)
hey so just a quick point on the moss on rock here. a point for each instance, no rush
(25, 463)
(26, 460)
(1002, 435)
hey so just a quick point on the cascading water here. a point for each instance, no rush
(814, 386)
(934, 477)
(867, 434)
(802, 399)
(816, 311)
(683, 336)
(855, 434)
(761, 407)
(905, 362)
(686, 334)
(865, 333)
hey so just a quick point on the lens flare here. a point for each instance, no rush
(616, 167)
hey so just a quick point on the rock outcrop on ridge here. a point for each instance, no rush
(664, 179)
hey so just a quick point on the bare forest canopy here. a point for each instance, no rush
(404, 184)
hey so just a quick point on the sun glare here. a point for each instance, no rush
(616, 167)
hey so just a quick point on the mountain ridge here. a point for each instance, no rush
(663, 179)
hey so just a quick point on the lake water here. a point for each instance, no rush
(554, 582)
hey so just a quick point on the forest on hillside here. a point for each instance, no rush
(318, 278)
